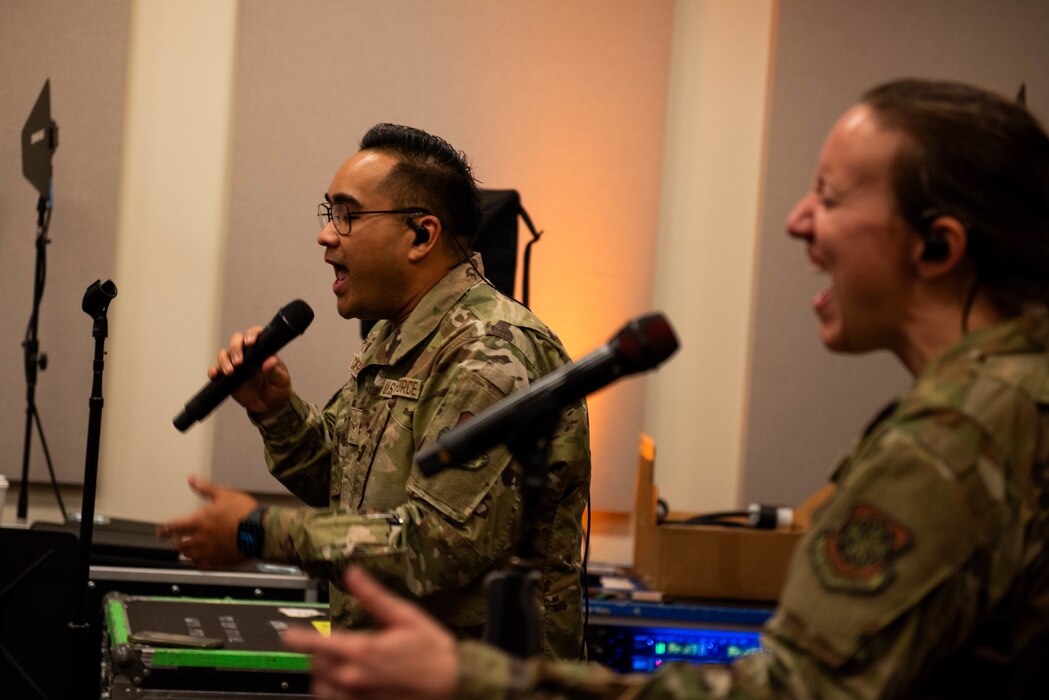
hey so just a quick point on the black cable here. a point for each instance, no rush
(718, 518)
(468, 257)
(586, 582)
(758, 515)
(525, 277)
(526, 273)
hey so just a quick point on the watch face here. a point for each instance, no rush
(250, 535)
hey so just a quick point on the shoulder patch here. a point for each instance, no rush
(356, 365)
(858, 556)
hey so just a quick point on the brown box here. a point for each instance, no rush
(705, 561)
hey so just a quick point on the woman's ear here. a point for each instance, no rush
(945, 242)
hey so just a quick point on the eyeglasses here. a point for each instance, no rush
(342, 216)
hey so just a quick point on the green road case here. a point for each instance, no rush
(180, 648)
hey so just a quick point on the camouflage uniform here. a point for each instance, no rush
(926, 575)
(464, 347)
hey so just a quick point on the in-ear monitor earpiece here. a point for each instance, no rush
(421, 234)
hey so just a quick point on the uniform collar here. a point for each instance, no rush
(1024, 334)
(1021, 334)
(389, 343)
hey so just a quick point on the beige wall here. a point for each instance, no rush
(81, 48)
(695, 230)
(584, 151)
(170, 221)
(596, 191)
(175, 176)
(709, 214)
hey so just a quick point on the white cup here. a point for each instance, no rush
(3, 495)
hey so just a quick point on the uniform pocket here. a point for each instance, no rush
(457, 490)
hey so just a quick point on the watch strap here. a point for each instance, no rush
(251, 534)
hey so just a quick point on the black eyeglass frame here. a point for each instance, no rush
(326, 216)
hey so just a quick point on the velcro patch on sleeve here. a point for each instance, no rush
(858, 557)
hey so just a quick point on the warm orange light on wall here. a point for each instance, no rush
(592, 268)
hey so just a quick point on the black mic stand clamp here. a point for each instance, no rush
(513, 619)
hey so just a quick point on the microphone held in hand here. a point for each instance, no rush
(290, 321)
(641, 345)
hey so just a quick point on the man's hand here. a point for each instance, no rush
(265, 391)
(209, 535)
(412, 657)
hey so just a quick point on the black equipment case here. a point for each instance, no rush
(180, 648)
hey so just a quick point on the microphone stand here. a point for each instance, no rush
(34, 361)
(513, 622)
(39, 142)
(95, 304)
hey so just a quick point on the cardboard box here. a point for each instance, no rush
(705, 561)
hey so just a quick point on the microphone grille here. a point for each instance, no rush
(297, 314)
(645, 342)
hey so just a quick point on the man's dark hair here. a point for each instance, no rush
(429, 174)
(984, 160)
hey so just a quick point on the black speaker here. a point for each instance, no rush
(497, 239)
(38, 578)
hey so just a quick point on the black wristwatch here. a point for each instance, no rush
(250, 533)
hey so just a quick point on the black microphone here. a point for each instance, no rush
(291, 320)
(641, 345)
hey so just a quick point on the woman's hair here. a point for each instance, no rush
(984, 160)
